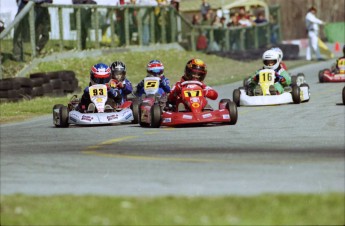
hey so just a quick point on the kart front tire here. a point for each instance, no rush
(232, 107)
(56, 115)
(63, 112)
(155, 116)
(236, 95)
(296, 94)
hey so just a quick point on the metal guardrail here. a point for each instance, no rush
(170, 27)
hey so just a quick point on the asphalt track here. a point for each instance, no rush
(295, 148)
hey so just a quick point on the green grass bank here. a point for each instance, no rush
(266, 209)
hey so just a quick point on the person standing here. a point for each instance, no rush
(312, 24)
(42, 24)
(85, 20)
(20, 33)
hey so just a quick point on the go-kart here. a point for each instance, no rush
(150, 98)
(193, 109)
(296, 93)
(328, 75)
(104, 111)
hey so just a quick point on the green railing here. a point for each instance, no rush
(167, 26)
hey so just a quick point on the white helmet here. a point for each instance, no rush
(280, 53)
(270, 59)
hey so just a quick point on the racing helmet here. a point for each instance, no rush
(99, 74)
(118, 71)
(155, 68)
(280, 53)
(270, 59)
(195, 70)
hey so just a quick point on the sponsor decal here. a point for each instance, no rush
(86, 118)
(166, 120)
(128, 116)
(187, 116)
(207, 115)
(112, 117)
(73, 119)
(226, 116)
(195, 105)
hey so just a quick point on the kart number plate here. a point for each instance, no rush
(192, 93)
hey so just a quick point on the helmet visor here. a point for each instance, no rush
(270, 63)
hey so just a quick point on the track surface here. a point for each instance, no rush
(276, 149)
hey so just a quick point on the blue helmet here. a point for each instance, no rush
(100, 74)
(155, 68)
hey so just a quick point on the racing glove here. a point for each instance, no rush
(162, 83)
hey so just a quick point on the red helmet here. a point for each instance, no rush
(99, 74)
(155, 68)
(195, 70)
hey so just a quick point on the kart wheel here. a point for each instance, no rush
(56, 115)
(135, 110)
(231, 106)
(63, 113)
(344, 95)
(321, 76)
(141, 123)
(236, 95)
(296, 94)
(155, 116)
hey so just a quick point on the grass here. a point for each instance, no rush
(266, 209)
(220, 71)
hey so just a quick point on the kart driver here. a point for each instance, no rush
(99, 74)
(336, 68)
(119, 80)
(155, 68)
(271, 61)
(195, 70)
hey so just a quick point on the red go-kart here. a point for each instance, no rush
(194, 109)
(327, 75)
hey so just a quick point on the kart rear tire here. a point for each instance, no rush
(56, 116)
(232, 107)
(63, 113)
(296, 94)
(155, 116)
(135, 110)
(344, 95)
(236, 95)
(321, 76)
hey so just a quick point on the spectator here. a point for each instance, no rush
(312, 24)
(20, 33)
(196, 19)
(85, 20)
(144, 18)
(260, 18)
(42, 24)
(205, 8)
(233, 21)
(176, 4)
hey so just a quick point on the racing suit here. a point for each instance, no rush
(336, 68)
(125, 88)
(175, 95)
(282, 80)
(164, 86)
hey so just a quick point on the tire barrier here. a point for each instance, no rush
(57, 83)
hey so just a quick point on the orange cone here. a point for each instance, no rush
(337, 47)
